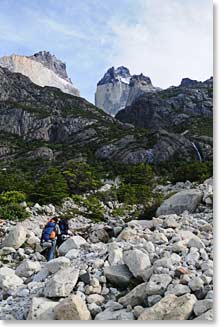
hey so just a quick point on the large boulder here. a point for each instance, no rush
(28, 268)
(137, 262)
(157, 285)
(41, 309)
(56, 264)
(62, 283)
(179, 202)
(16, 237)
(170, 307)
(118, 275)
(9, 282)
(74, 242)
(72, 308)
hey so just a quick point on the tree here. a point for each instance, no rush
(80, 177)
(51, 188)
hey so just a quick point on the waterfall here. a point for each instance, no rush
(197, 151)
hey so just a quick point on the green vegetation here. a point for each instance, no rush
(182, 171)
(10, 207)
(39, 181)
(13, 211)
(52, 187)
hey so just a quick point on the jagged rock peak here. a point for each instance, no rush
(40, 73)
(51, 62)
(140, 78)
(114, 75)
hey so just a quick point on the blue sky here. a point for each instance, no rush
(166, 40)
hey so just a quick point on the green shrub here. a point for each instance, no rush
(134, 194)
(13, 211)
(12, 197)
(80, 177)
(51, 188)
(182, 171)
(95, 210)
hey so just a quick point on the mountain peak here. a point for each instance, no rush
(51, 62)
(114, 75)
(42, 69)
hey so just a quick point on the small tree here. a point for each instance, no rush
(52, 187)
(80, 177)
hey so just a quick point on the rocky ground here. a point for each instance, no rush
(159, 269)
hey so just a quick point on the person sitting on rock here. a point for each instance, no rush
(49, 238)
(64, 231)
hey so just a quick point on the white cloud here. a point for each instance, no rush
(170, 40)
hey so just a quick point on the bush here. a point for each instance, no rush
(134, 194)
(12, 197)
(94, 208)
(80, 177)
(51, 188)
(13, 211)
(182, 171)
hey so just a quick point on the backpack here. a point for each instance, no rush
(64, 226)
(49, 231)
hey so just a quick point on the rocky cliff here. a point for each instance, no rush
(51, 62)
(187, 106)
(112, 90)
(33, 117)
(42, 68)
(118, 89)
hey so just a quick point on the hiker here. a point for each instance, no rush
(49, 237)
(64, 231)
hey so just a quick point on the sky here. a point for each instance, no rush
(166, 40)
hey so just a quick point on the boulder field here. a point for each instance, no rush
(158, 269)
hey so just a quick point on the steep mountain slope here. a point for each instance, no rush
(42, 121)
(188, 106)
(43, 69)
(118, 89)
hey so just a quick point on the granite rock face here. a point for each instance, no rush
(118, 89)
(112, 90)
(43, 69)
(51, 62)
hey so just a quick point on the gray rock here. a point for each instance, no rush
(153, 299)
(56, 264)
(208, 315)
(179, 202)
(178, 289)
(115, 254)
(137, 262)
(74, 242)
(16, 237)
(202, 306)
(115, 315)
(27, 268)
(9, 282)
(195, 242)
(170, 308)
(95, 298)
(62, 283)
(41, 309)
(196, 283)
(99, 235)
(157, 285)
(72, 254)
(72, 308)
(118, 275)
